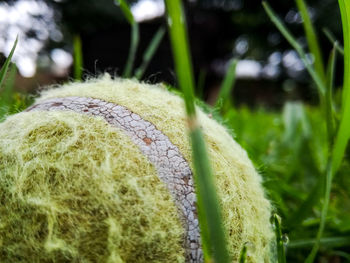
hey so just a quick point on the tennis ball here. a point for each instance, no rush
(102, 172)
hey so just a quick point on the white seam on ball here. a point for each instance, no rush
(171, 166)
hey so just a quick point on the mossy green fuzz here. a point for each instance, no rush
(74, 188)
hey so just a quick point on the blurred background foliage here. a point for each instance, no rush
(269, 71)
(273, 108)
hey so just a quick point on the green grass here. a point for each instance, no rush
(338, 130)
(290, 152)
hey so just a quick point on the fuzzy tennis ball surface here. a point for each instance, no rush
(101, 172)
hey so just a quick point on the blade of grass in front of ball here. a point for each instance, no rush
(5, 67)
(135, 36)
(208, 200)
(294, 43)
(224, 100)
(311, 37)
(214, 245)
(150, 51)
(332, 39)
(78, 57)
(181, 53)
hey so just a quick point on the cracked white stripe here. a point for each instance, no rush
(171, 166)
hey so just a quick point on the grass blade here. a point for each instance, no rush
(343, 133)
(332, 39)
(4, 68)
(330, 120)
(243, 255)
(213, 238)
(135, 36)
(6, 93)
(126, 11)
(311, 37)
(294, 43)
(326, 241)
(201, 83)
(150, 51)
(327, 192)
(181, 53)
(281, 255)
(224, 98)
(7, 90)
(78, 58)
